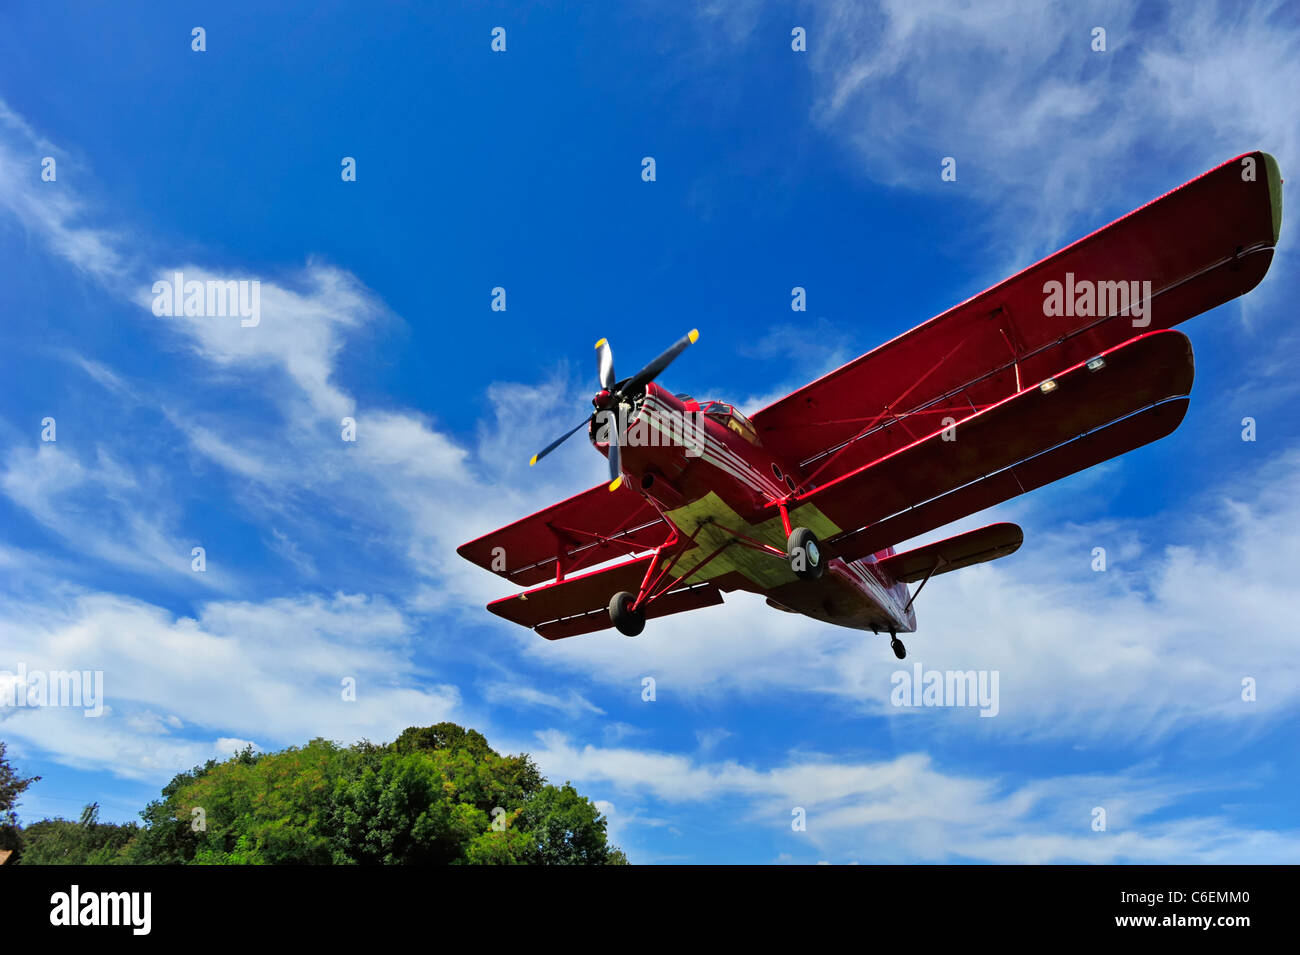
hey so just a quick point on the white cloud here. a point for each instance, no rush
(300, 330)
(46, 209)
(1047, 127)
(572, 704)
(709, 739)
(272, 672)
(102, 508)
(906, 809)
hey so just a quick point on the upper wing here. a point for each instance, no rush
(1199, 246)
(1134, 394)
(589, 528)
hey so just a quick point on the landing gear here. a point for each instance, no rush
(896, 645)
(627, 621)
(805, 554)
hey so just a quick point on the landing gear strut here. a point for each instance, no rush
(896, 645)
(627, 621)
(805, 554)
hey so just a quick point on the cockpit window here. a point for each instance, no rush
(726, 414)
(745, 422)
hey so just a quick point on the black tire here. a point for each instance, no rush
(627, 621)
(896, 645)
(804, 550)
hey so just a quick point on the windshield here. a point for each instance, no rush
(727, 414)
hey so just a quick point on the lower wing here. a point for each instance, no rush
(579, 604)
(1116, 401)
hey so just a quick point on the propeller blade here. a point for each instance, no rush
(615, 459)
(652, 371)
(607, 431)
(557, 442)
(606, 364)
(608, 417)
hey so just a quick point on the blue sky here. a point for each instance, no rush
(521, 169)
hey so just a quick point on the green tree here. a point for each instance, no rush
(262, 809)
(436, 795)
(166, 838)
(567, 829)
(87, 842)
(442, 736)
(412, 809)
(12, 786)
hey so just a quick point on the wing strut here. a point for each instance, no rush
(938, 562)
(887, 410)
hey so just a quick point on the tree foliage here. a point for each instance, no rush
(12, 786)
(436, 795)
(87, 842)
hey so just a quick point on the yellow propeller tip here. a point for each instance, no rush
(532, 460)
(694, 334)
(601, 342)
(613, 485)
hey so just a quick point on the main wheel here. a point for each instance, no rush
(896, 645)
(805, 554)
(627, 621)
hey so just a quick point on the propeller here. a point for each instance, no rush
(612, 392)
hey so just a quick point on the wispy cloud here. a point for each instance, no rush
(53, 215)
(572, 704)
(1041, 124)
(907, 809)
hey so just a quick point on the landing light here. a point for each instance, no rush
(1096, 364)
(1048, 386)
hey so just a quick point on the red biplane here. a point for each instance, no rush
(1065, 365)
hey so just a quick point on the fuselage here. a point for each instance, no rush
(704, 468)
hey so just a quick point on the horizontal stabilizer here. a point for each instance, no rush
(963, 550)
